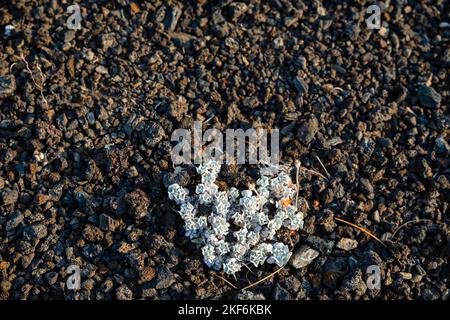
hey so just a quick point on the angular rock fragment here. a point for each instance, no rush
(7, 86)
(307, 130)
(172, 18)
(429, 97)
(347, 244)
(303, 257)
(300, 85)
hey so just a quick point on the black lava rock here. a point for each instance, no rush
(7, 86)
(164, 278)
(307, 130)
(429, 97)
(9, 196)
(35, 232)
(301, 86)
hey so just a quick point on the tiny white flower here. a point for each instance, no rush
(222, 247)
(200, 188)
(239, 250)
(219, 225)
(245, 201)
(187, 211)
(205, 198)
(275, 224)
(231, 266)
(261, 218)
(202, 222)
(263, 182)
(246, 193)
(280, 254)
(221, 208)
(191, 228)
(208, 178)
(257, 257)
(177, 193)
(213, 189)
(252, 238)
(241, 235)
(239, 219)
(233, 192)
(211, 237)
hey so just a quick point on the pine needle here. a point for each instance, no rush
(40, 86)
(226, 281)
(297, 184)
(407, 223)
(323, 167)
(247, 267)
(262, 280)
(370, 234)
(313, 172)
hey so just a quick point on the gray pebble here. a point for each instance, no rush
(9, 197)
(301, 86)
(14, 221)
(347, 244)
(164, 278)
(124, 293)
(307, 130)
(7, 86)
(303, 257)
(35, 232)
(429, 97)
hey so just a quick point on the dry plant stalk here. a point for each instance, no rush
(323, 167)
(370, 234)
(226, 281)
(40, 86)
(262, 280)
(407, 223)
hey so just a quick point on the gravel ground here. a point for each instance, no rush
(86, 117)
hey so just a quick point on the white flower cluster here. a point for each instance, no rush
(241, 226)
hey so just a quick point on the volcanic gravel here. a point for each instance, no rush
(86, 118)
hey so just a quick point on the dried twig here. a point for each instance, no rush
(323, 167)
(407, 223)
(314, 173)
(298, 167)
(361, 229)
(248, 268)
(297, 184)
(252, 187)
(38, 86)
(209, 119)
(226, 281)
(262, 280)
(290, 240)
(12, 66)
(306, 204)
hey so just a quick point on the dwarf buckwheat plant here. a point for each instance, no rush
(242, 225)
